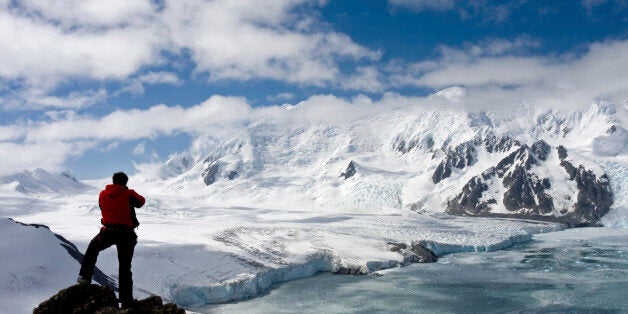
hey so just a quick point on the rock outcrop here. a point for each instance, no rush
(100, 299)
(465, 154)
(349, 171)
(525, 193)
(209, 174)
(414, 253)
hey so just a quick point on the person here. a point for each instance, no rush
(117, 205)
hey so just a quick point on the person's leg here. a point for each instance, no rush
(126, 246)
(100, 242)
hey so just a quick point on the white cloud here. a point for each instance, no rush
(615, 5)
(503, 79)
(137, 124)
(241, 40)
(420, 5)
(160, 78)
(137, 85)
(281, 97)
(90, 12)
(487, 11)
(368, 79)
(47, 155)
(139, 149)
(43, 54)
(44, 44)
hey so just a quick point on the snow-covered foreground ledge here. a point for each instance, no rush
(195, 254)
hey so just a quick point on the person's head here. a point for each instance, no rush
(120, 178)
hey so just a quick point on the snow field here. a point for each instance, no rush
(195, 254)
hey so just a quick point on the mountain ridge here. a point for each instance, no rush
(417, 158)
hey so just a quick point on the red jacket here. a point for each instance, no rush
(117, 205)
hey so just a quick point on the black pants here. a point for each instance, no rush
(125, 241)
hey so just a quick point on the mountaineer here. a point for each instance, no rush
(117, 205)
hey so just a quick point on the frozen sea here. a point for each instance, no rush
(577, 270)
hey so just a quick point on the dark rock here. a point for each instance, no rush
(102, 300)
(232, 174)
(429, 142)
(594, 196)
(397, 247)
(154, 304)
(502, 143)
(461, 156)
(464, 154)
(562, 152)
(417, 253)
(209, 174)
(442, 171)
(571, 170)
(525, 193)
(349, 271)
(404, 146)
(612, 129)
(79, 299)
(425, 255)
(523, 190)
(541, 149)
(349, 171)
(468, 201)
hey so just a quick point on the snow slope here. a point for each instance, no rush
(41, 181)
(193, 253)
(35, 265)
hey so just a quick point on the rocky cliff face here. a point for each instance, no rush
(523, 184)
(465, 154)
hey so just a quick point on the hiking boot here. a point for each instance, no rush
(83, 281)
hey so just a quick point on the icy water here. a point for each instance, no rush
(579, 270)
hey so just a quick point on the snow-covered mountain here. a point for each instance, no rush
(546, 165)
(41, 181)
(35, 264)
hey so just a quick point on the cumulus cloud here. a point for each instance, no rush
(139, 149)
(498, 77)
(368, 79)
(48, 155)
(137, 85)
(137, 124)
(238, 42)
(44, 44)
(420, 5)
(488, 11)
(616, 5)
(281, 97)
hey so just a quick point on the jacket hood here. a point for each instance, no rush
(115, 190)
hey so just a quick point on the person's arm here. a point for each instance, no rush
(136, 223)
(135, 201)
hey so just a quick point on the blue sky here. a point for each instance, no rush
(101, 86)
